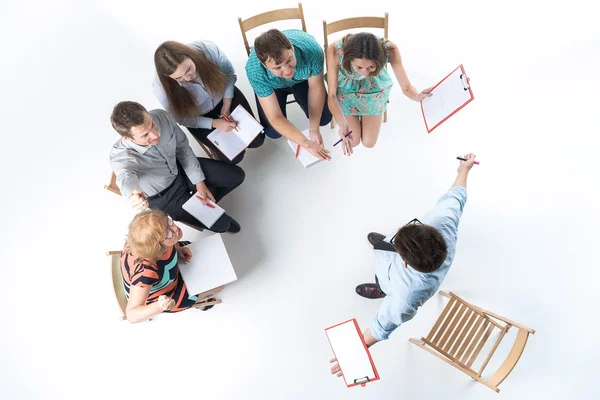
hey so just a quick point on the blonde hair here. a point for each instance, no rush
(146, 231)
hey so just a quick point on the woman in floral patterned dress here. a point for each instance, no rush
(359, 85)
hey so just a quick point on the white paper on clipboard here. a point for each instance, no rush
(351, 353)
(450, 95)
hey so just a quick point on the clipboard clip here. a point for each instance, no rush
(362, 381)
(465, 81)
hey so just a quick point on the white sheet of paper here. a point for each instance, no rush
(305, 157)
(208, 216)
(210, 266)
(233, 143)
(350, 352)
(447, 98)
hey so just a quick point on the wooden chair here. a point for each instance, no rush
(268, 17)
(112, 187)
(353, 23)
(460, 333)
(209, 152)
(117, 280)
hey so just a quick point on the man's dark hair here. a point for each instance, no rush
(126, 115)
(421, 246)
(271, 44)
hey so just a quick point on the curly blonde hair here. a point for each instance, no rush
(146, 231)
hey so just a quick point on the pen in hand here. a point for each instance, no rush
(207, 203)
(228, 119)
(464, 159)
(346, 135)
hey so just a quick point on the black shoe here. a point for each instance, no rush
(234, 227)
(370, 291)
(375, 238)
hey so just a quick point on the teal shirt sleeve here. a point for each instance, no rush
(314, 53)
(257, 75)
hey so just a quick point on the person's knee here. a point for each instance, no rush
(355, 140)
(369, 142)
(272, 133)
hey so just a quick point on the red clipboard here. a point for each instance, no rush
(454, 92)
(336, 339)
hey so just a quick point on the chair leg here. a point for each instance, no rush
(385, 116)
(208, 152)
(332, 123)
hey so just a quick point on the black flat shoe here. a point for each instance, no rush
(369, 291)
(234, 227)
(375, 238)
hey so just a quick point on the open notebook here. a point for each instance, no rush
(234, 142)
(450, 95)
(352, 353)
(205, 214)
(305, 157)
(210, 266)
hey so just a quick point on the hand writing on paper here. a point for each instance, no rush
(138, 200)
(425, 93)
(344, 128)
(165, 303)
(204, 193)
(184, 253)
(222, 125)
(316, 149)
(335, 369)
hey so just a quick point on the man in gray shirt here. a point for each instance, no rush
(156, 167)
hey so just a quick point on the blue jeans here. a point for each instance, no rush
(300, 92)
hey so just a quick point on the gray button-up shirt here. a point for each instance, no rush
(205, 100)
(152, 169)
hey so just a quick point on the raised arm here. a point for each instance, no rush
(463, 171)
(396, 62)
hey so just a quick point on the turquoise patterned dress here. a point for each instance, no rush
(359, 95)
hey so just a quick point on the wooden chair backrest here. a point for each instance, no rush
(117, 280)
(461, 332)
(353, 23)
(270, 16)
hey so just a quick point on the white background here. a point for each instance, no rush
(527, 244)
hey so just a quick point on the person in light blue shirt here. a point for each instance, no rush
(411, 265)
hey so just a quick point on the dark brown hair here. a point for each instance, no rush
(271, 44)
(363, 45)
(421, 246)
(166, 59)
(126, 115)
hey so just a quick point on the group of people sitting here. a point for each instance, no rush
(157, 170)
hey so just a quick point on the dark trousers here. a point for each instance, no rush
(220, 178)
(385, 246)
(201, 134)
(300, 92)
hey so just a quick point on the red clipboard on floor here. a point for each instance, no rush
(352, 354)
(450, 95)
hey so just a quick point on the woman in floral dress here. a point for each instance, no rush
(359, 85)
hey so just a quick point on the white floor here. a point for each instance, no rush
(527, 241)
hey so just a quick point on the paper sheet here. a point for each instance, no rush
(447, 97)
(233, 143)
(350, 352)
(208, 216)
(305, 157)
(210, 266)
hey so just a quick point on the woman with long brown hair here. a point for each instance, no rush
(149, 265)
(196, 84)
(359, 86)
